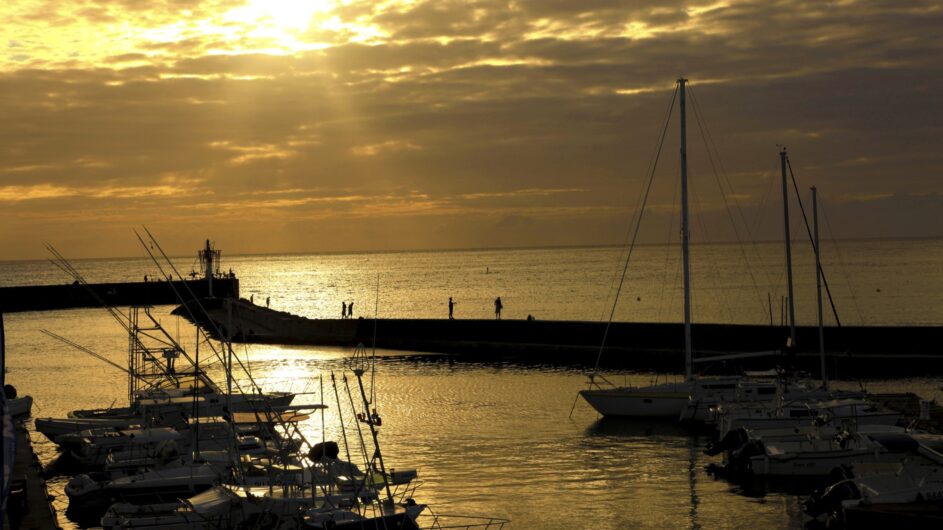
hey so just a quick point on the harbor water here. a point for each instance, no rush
(497, 439)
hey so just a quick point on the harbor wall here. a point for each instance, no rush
(851, 351)
(74, 295)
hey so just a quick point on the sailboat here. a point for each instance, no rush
(665, 400)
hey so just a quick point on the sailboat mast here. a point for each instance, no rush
(788, 240)
(818, 284)
(685, 236)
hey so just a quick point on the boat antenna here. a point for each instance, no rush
(685, 235)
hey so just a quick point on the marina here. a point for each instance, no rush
(466, 405)
(488, 265)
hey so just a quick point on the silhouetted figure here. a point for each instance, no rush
(252, 299)
(497, 308)
(530, 318)
(267, 300)
(350, 309)
(343, 310)
(145, 278)
(451, 307)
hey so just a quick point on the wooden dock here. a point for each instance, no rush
(28, 507)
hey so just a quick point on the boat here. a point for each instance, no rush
(89, 498)
(817, 457)
(665, 400)
(838, 412)
(905, 494)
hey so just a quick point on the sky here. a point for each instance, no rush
(346, 125)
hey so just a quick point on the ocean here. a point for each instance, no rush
(497, 439)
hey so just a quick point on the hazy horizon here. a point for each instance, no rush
(795, 241)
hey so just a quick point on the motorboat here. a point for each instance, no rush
(908, 493)
(848, 412)
(816, 457)
(88, 498)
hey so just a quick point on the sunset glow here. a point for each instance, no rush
(435, 114)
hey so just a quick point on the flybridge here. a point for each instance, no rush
(150, 292)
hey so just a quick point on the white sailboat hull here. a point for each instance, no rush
(659, 401)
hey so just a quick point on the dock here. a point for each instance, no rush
(28, 507)
(857, 351)
(74, 295)
(211, 281)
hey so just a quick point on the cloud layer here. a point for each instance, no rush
(353, 125)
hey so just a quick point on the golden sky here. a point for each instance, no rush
(334, 125)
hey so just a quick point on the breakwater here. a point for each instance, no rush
(851, 351)
(73, 295)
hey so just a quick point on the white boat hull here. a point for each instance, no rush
(662, 401)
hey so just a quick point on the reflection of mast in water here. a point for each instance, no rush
(692, 480)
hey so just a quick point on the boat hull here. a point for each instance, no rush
(651, 402)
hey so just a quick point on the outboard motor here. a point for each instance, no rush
(740, 458)
(327, 449)
(841, 487)
(733, 440)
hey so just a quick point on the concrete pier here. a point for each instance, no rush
(852, 351)
(68, 296)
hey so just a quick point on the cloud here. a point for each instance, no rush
(457, 111)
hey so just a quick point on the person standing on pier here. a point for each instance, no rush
(343, 310)
(451, 307)
(350, 309)
(497, 308)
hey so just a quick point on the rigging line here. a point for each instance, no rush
(725, 175)
(194, 298)
(119, 317)
(353, 407)
(808, 230)
(707, 138)
(162, 271)
(651, 179)
(668, 252)
(373, 367)
(841, 261)
(623, 256)
(340, 416)
(88, 351)
(69, 269)
(754, 227)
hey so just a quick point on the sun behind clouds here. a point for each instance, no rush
(283, 22)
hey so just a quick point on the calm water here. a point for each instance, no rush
(497, 440)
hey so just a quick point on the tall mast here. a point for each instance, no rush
(685, 235)
(818, 285)
(792, 308)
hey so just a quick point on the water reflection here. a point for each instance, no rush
(663, 435)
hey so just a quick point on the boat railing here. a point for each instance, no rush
(434, 521)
